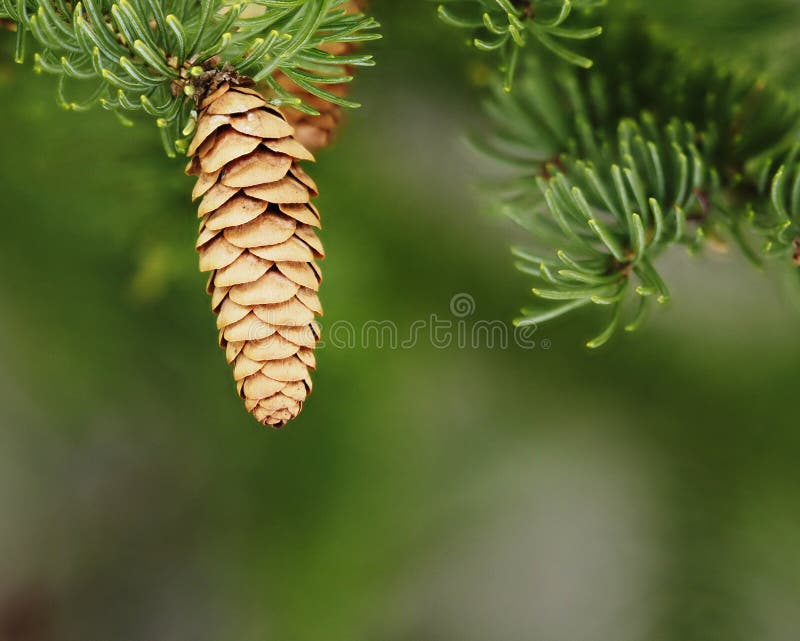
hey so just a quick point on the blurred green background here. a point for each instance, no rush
(648, 491)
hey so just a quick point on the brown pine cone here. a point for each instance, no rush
(317, 132)
(258, 240)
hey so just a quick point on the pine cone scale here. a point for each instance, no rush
(215, 197)
(257, 239)
(261, 167)
(287, 191)
(262, 124)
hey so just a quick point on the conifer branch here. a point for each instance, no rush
(650, 149)
(160, 57)
(507, 26)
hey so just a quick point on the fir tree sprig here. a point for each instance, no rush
(777, 178)
(507, 26)
(156, 57)
(613, 166)
(611, 214)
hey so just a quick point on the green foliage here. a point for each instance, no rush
(608, 226)
(506, 26)
(779, 176)
(155, 57)
(651, 148)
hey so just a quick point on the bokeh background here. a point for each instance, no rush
(648, 491)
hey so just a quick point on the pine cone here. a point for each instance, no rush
(317, 132)
(258, 241)
(314, 132)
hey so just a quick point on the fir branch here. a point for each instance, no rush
(615, 212)
(507, 26)
(775, 214)
(612, 167)
(161, 57)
